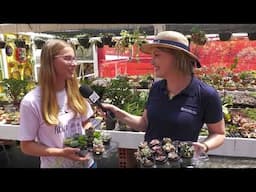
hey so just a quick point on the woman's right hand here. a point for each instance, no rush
(73, 154)
(108, 107)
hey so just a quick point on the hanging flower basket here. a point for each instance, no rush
(39, 43)
(198, 36)
(97, 42)
(252, 36)
(20, 43)
(112, 44)
(2, 44)
(106, 39)
(83, 40)
(225, 36)
(8, 50)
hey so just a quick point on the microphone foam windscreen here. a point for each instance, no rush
(85, 91)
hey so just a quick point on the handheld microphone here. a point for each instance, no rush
(88, 93)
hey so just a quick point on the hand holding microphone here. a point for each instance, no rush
(88, 93)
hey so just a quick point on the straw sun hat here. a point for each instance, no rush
(172, 40)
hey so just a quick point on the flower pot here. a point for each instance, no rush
(174, 163)
(252, 36)
(106, 141)
(147, 163)
(161, 161)
(99, 45)
(112, 44)
(84, 41)
(20, 43)
(186, 162)
(106, 40)
(110, 124)
(225, 36)
(39, 43)
(2, 44)
(8, 50)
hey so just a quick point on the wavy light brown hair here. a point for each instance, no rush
(47, 82)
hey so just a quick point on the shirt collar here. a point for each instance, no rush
(190, 90)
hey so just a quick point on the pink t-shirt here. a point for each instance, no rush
(33, 127)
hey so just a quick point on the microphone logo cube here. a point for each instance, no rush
(94, 97)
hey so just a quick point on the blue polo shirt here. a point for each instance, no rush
(182, 117)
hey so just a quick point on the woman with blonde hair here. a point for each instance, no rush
(54, 110)
(179, 104)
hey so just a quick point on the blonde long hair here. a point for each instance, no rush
(47, 82)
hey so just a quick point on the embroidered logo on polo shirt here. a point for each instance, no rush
(188, 110)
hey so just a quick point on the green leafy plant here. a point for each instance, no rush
(15, 89)
(146, 81)
(99, 85)
(198, 36)
(136, 103)
(130, 41)
(119, 91)
(227, 101)
(250, 112)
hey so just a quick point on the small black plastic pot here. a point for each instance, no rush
(2, 44)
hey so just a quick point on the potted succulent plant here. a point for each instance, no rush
(144, 156)
(106, 138)
(186, 152)
(98, 147)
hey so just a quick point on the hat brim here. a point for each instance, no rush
(148, 48)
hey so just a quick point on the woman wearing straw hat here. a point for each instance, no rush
(179, 104)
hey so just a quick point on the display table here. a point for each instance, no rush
(8, 131)
(109, 158)
(233, 146)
